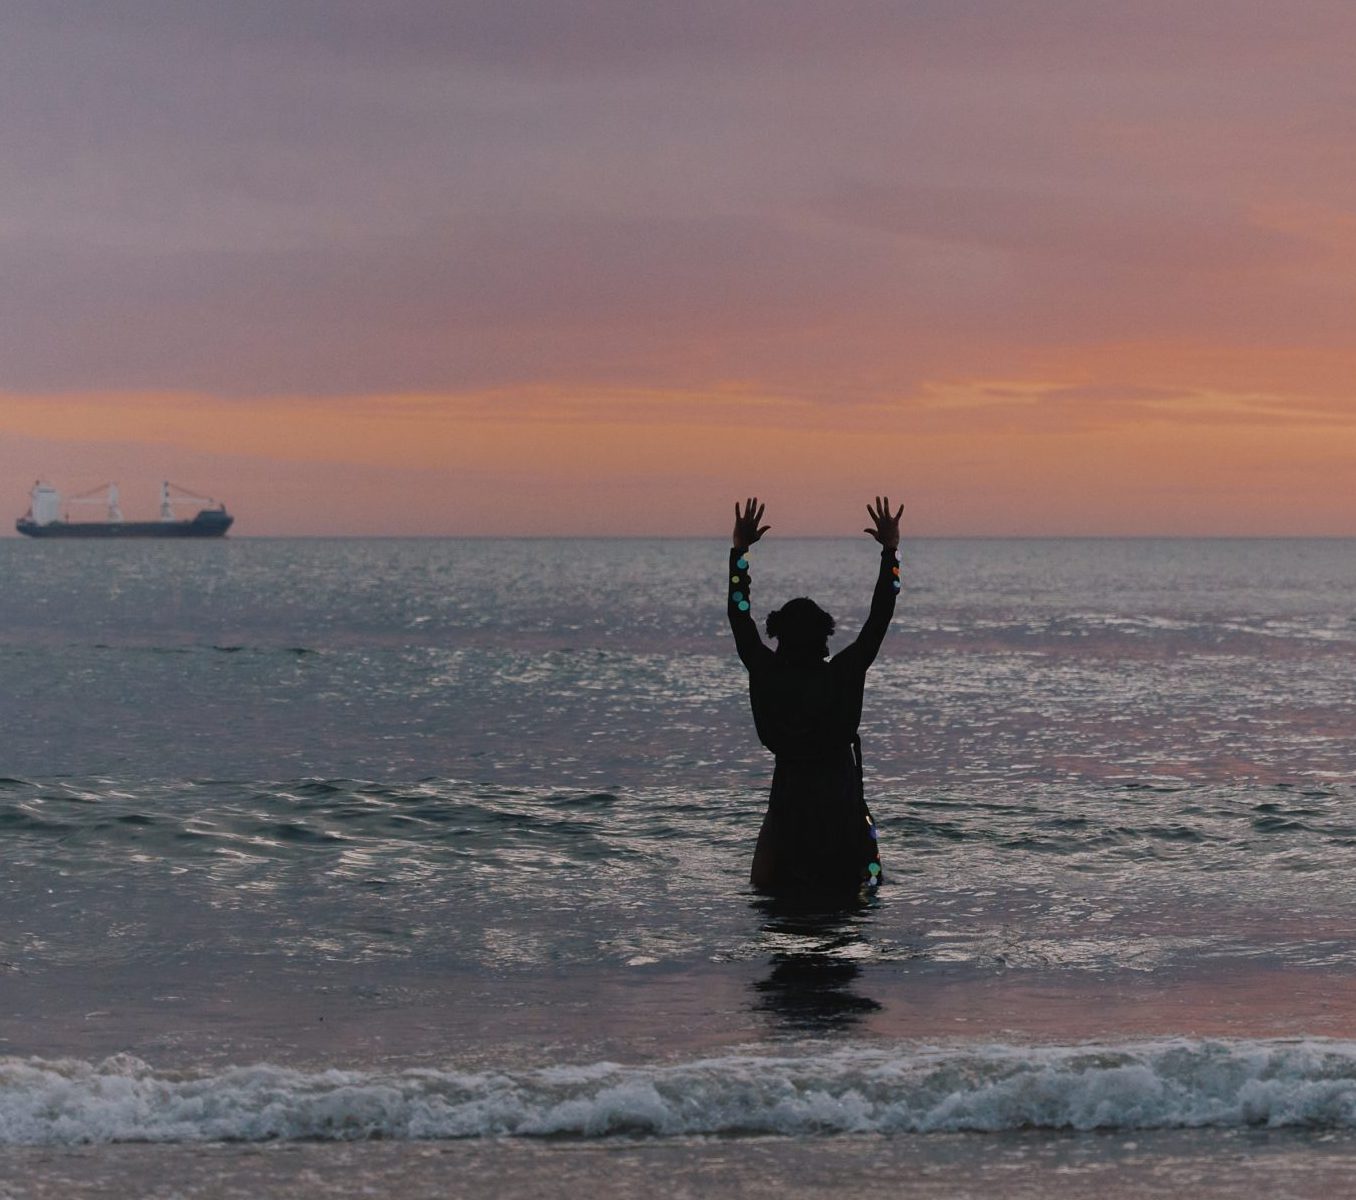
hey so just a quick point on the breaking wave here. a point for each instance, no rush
(1164, 1084)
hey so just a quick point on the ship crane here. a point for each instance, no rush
(172, 494)
(105, 493)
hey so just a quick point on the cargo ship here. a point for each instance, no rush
(45, 517)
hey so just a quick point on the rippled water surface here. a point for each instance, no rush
(476, 806)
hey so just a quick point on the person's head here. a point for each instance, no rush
(802, 628)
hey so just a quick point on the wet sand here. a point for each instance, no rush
(1120, 1166)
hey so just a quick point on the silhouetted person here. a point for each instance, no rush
(818, 834)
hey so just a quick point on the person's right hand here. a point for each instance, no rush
(746, 528)
(886, 531)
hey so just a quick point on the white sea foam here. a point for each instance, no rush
(1138, 1085)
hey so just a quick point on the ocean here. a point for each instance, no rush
(419, 867)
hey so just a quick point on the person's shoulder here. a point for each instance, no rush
(762, 658)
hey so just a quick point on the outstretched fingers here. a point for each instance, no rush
(884, 522)
(748, 521)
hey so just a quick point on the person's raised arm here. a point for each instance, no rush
(739, 608)
(885, 529)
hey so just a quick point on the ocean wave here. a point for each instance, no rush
(1164, 1084)
(80, 821)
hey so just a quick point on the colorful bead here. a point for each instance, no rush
(742, 563)
(743, 606)
(872, 834)
(735, 578)
(736, 596)
(874, 868)
(895, 584)
(897, 558)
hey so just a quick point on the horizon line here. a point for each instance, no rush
(701, 537)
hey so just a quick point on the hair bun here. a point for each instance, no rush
(774, 623)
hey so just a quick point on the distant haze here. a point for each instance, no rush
(543, 266)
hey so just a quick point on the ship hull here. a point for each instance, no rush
(204, 525)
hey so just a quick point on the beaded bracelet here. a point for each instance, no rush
(740, 597)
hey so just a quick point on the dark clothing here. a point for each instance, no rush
(818, 832)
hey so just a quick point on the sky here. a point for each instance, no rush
(577, 267)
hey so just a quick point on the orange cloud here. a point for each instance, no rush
(995, 457)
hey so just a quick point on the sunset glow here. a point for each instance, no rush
(1035, 269)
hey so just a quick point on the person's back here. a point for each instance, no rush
(818, 833)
